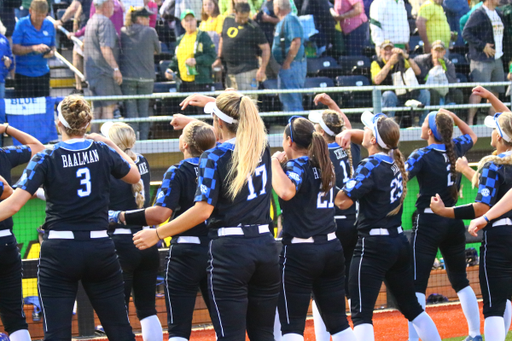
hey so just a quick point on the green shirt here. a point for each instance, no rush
(437, 24)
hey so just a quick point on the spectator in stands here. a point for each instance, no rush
(267, 20)
(388, 21)
(139, 44)
(324, 23)
(240, 43)
(289, 53)
(437, 57)
(6, 59)
(227, 7)
(432, 24)
(180, 5)
(117, 18)
(195, 54)
(33, 43)
(153, 8)
(454, 10)
(211, 19)
(390, 61)
(354, 24)
(464, 19)
(484, 33)
(7, 16)
(101, 52)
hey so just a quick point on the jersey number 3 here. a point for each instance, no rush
(85, 179)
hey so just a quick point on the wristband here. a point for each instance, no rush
(486, 219)
(135, 217)
(156, 230)
(116, 69)
(464, 212)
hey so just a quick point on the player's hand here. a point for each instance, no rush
(280, 156)
(324, 98)
(436, 204)
(196, 101)
(113, 217)
(476, 225)
(179, 121)
(461, 164)
(481, 91)
(145, 239)
(344, 139)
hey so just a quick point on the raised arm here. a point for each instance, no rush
(23, 138)
(325, 99)
(463, 126)
(489, 96)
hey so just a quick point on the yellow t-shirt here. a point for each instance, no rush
(185, 51)
(375, 68)
(213, 24)
(437, 24)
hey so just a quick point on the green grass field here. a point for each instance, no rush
(508, 338)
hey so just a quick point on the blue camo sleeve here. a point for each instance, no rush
(208, 183)
(33, 176)
(362, 181)
(462, 144)
(295, 172)
(17, 155)
(414, 163)
(168, 194)
(489, 184)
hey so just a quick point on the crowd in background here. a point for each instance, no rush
(241, 43)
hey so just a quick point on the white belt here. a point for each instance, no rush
(5, 233)
(70, 235)
(297, 240)
(340, 217)
(188, 240)
(384, 232)
(502, 222)
(122, 231)
(238, 231)
(428, 210)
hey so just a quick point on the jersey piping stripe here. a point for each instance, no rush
(414, 244)
(485, 270)
(284, 287)
(41, 296)
(213, 293)
(171, 316)
(359, 279)
(76, 146)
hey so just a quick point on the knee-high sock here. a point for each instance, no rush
(321, 333)
(413, 336)
(20, 335)
(151, 329)
(364, 332)
(177, 338)
(494, 328)
(345, 335)
(507, 316)
(426, 328)
(277, 327)
(292, 337)
(470, 309)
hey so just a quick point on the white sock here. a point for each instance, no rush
(321, 333)
(364, 332)
(151, 329)
(494, 328)
(345, 335)
(277, 327)
(292, 337)
(507, 316)
(20, 335)
(413, 336)
(426, 328)
(177, 338)
(470, 309)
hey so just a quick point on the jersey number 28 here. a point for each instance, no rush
(396, 190)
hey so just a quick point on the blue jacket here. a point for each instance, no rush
(5, 50)
(478, 33)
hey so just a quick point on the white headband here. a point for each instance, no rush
(211, 108)
(63, 120)
(325, 127)
(316, 117)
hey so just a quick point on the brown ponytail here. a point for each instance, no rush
(444, 125)
(336, 123)
(305, 137)
(199, 136)
(389, 131)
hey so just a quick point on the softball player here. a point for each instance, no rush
(140, 268)
(329, 124)
(188, 253)
(312, 257)
(382, 251)
(11, 298)
(434, 167)
(233, 193)
(75, 175)
(494, 180)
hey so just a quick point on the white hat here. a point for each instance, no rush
(316, 117)
(370, 121)
(492, 122)
(105, 127)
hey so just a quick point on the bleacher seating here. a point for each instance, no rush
(355, 99)
(323, 67)
(355, 65)
(315, 82)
